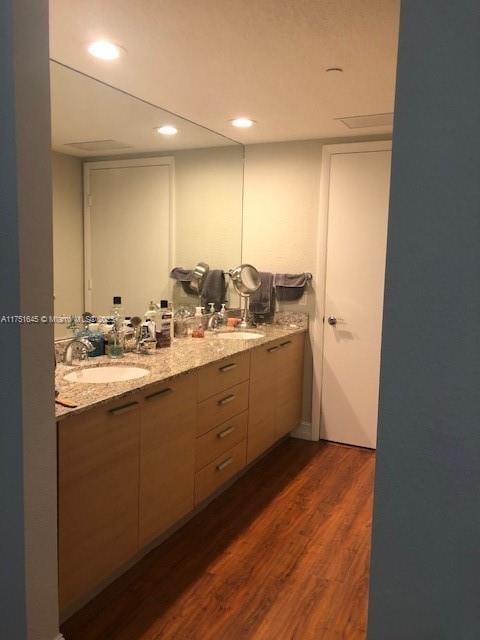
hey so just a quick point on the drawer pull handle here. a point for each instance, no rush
(226, 400)
(126, 407)
(272, 349)
(284, 344)
(159, 394)
(226, 432)
(225, 463)
(228, 367)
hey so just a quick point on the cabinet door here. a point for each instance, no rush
(289, 385)
(263, 400)
(98, 456)
(167, 457)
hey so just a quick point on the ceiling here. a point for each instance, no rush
(213, 60)
(102, 121)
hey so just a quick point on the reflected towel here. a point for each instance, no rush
(184, 277)
(214, 289)
(262, 301)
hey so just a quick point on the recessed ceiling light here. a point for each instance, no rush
(243, 123)
(104, 50)
(167, 130)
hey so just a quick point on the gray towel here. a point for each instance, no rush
(180, 274)
(184, 277)
(214, 289)
(262, 301)
(289, 287)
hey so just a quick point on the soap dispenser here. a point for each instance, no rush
(198, 330)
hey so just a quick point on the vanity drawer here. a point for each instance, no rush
(220, 439)
(219, 471)
(293, 347)
(220, 376)
(221, 407)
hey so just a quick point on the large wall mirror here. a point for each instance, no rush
(130, 203)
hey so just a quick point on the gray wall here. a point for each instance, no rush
(12, 561)
(425, 578)
(28, 573)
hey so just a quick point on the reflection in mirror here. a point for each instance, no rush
(246, 279)
(130, 204)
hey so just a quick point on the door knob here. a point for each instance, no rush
(332, 320)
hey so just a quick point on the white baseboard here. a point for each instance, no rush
(303, 431)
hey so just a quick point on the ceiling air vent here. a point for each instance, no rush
(372, 120)
(98, 145)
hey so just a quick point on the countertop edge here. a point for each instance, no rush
(245, 347)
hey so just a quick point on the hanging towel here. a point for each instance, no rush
(289, 287)
(184, 277)
(262, 301)
(214, 289)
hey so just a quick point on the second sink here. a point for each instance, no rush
(102, 375)
(240, 335)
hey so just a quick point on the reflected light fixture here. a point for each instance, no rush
(243, 123)
(167, 130)
(104, 50)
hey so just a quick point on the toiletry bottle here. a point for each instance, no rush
(164, 327)
(151, 320)
(118, 313)
(166, 311)
(212, 307)
(151, 312)
(198, 330)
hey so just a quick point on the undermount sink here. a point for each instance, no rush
(109, 373)
(240, 335)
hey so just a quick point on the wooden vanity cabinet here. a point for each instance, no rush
(290, 384)
(262, 402)
(276, 390)
(167, 456)
(131, 469)
(98, 458)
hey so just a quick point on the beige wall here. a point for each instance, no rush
(67, 237)
(280, 219)
(208, 210)
(281, 206)
(208, 206)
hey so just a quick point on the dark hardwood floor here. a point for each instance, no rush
(282, 555)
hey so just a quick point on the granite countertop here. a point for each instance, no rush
(183, 356)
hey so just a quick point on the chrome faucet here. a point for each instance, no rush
(82, 346)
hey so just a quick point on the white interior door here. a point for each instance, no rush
(127, 234)
(355, 274)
